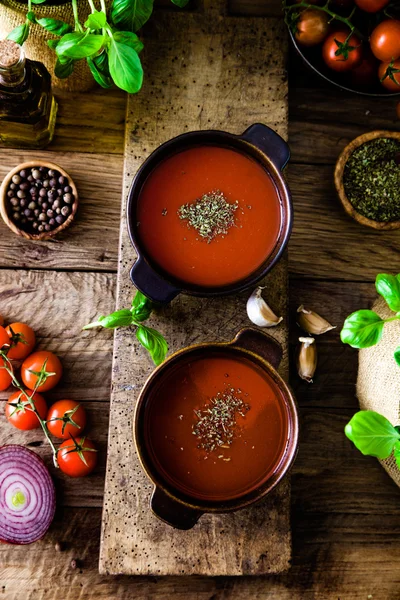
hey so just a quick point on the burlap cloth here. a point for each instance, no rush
(378, 383)
(13, 13)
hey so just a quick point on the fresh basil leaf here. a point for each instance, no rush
(180, 3)
(154, 343)
(52, 44)
(129, 39)
(54, 26)
(31, 16)
(96, 20)
(119, 318)
(20, 34)
(64, 68)
(396, 453)
(388, 286)
(362, 329)
(101, 78)
(130, 15)
(125, 67)
(397, 355)
(372, 433)
(79, 45)
(141, 307)
(38, 1)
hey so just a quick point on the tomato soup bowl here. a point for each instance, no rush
(171, 256)
(191, 478)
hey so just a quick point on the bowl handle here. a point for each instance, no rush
(172, 512)
(269, 142)
(153, 286)
(259, 343)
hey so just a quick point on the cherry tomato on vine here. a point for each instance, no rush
(77, 457)
(371, 6)
(341, 52)
(385, 40)
(19, 412)
(312, 27)
(41, 362)
(22, 339)
(66, 417)
(5, 377)
(4, 340)
(389, 75)
(366, 73)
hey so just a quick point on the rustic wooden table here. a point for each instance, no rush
(345, 509)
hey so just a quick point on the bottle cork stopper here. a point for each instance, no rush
(10, 53)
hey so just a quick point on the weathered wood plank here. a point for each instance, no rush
(201, 89)
(91, 241)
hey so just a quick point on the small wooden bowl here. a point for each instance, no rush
(339, 170)
(45, 235)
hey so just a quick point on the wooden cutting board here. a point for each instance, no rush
(203, 71)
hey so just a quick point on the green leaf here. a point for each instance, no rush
(397, 355)
(125, 67)
(38, 1)
(96, 20)
(31, 16)
(362, 329)
(63, 69)
(129, 39)
(20, 34)
(101, 78)
(372, 433)
(180, 3)
(396, 453)
(119, 318)
(54, 26)
(52, 44)
(388, 286)
(79, 45)
(141, 307)
(154, 343)
(130, 15)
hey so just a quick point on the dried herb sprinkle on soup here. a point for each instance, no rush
(372, 179)
(211, 215)
(217, 424)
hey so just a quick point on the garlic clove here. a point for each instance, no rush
(311, 322)
(306, 359)
(259, 312)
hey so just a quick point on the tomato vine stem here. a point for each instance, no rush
(334, 16)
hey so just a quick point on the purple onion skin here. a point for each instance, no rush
(27, 470)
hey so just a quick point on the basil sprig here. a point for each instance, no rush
(364, 328)
(374, 435)
(140, 311)
(108, 43)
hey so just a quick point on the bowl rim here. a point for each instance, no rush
(250, 497)
(180, 143)
(338, 178)
(3, 200)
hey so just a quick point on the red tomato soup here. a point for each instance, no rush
(176, 246)
(216, 427)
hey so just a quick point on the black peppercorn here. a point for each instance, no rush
(46, 183)
(68, 198)
(16, 216)
(52, 172)
(50, 213)
(28, 212)
(23, 202)
(60, 219)
(52, 195)
(53, 182)
(10, 193)
(45, 205)
(32, 205)
(23, 173)
(62, 180)
(67, 189)
(16, 179)
(36, 174)
(30, 178)
(33, 191)
(52, 222)
(56, 204)
(24, 186)
(36, 212)
(13, 186)
(21, 194)
(42, 192)
(65, 211)
(14, 201)
(42, 217)
(40, 228)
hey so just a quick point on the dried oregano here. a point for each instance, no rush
(210, 215)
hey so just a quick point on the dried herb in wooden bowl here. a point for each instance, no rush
(371, 179)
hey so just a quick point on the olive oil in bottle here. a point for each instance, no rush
(27, 106)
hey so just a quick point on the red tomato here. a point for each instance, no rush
(389, 75)
(66, 417)
(371, 6)
(312, 27)
(19, 412)
(4, 340)
(340, 53)
(366, 73)
(77, 457)
(385, 40)
(23, 340)
(5, 377)
(34, 364)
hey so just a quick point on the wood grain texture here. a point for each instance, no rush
(90, 242)
(206, 87)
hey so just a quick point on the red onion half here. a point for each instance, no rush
(27, 496)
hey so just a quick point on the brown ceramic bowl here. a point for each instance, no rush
(4, 209)
(339, 170)
(177, 508)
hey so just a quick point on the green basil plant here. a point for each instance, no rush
(108, 42)
(371, 432)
